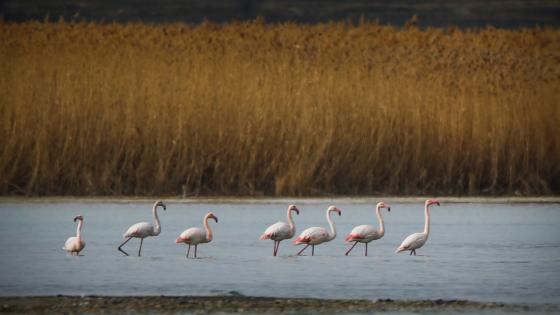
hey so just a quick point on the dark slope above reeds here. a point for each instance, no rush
(435, 13)
(255, 109)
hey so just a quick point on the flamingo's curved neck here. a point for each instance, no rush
(209, 234)
(380, 219)
(291, 223)
(332, 235)
(427, 221)
(157, 226)
(79, 229)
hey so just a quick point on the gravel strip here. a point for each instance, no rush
(246, 305)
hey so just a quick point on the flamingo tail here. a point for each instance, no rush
(180, 240)
(302, 240)
(352, 237)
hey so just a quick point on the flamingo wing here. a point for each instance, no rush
(74, 244)
(141, 229)
(413, 241)
(364, 232)
(278, 231)
(192, 236)
(312, 235)
(70, 244)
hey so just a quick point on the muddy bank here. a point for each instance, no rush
(251, 305)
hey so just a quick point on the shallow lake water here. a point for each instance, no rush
(482, 252)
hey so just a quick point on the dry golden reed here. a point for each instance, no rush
(282, 110)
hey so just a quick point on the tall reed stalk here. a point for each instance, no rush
(282, 110)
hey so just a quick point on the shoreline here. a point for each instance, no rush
(278, 200)
(242, 304)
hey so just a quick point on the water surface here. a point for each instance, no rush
(482, 252)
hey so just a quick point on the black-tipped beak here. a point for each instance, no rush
(389, 209)
(75, 219)
(216, 219)
(297, 211)
(437, 203)
(339, 213)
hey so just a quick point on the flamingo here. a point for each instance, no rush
(195, 236)
(75, 244)
(368, 233)
(143, 229)
(280, 231)
(317, 235)
(417, 240)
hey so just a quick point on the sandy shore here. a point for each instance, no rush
(247, 305)
(283, 200)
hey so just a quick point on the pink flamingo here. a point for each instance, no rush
(417, 240)
(195, 236)
(368, 233)
(75, 244)
(143, 229)
(317, 235)
(280, 231)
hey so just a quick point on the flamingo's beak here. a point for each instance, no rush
(339, 212)
(215, 219)
(296, 210)
(389, 209)
(437, 203)
(75, 219)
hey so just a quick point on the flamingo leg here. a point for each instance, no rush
(301, 251)
(274, 249)
(140, 249)
(195, 247)
(120, 246)
(366, 249)
(312, 250)
(414, 251)
(188, 250)
(277, 247)
(348, 252)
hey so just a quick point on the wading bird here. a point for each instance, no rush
(367, 233)
(317, 235)
(280, 231)
(417, 240)
(75, 244)
(143, 229)
(195, 236)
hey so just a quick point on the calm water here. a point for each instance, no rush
(496, 252)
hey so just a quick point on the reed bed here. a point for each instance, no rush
(280, 110)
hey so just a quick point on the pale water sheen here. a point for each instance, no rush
(483, 252)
